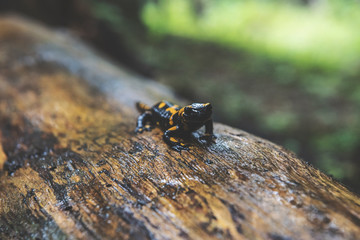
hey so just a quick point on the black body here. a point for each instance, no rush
(175, 121)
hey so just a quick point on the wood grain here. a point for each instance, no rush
(74, 169)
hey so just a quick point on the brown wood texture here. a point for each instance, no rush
(72, 167)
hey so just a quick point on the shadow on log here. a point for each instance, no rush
(72, 166)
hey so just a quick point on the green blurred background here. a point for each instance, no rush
(285, 70)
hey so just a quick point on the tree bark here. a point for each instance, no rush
(71, 166)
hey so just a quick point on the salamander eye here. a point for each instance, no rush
(189, 111)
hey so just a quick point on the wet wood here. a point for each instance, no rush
(72, 167)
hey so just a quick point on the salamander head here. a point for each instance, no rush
(197, 112)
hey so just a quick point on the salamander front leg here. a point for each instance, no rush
(209, 132)
(169, 138)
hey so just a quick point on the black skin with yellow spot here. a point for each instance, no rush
(175, 121)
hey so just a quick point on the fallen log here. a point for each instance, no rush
(71, 166)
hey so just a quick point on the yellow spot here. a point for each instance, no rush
(181, 111)
(206, 104)
(173, 139)
(162, 104)
(147, 126)
(172, 110)
(157, 123)
(172, 128)
(182, 144)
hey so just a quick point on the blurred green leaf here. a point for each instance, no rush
(108, 12)
(280, 121)
(339, 170)
(318, 35)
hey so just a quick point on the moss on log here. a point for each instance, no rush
(71, 166)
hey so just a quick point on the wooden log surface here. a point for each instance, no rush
(72, 167)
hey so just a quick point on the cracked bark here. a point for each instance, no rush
(72, 168)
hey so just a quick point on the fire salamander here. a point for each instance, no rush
(175, 121)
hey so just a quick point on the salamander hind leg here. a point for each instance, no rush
(170, 138)
(144, 122)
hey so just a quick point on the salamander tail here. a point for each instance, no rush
(142, 107)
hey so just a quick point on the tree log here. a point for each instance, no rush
(73, 168)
